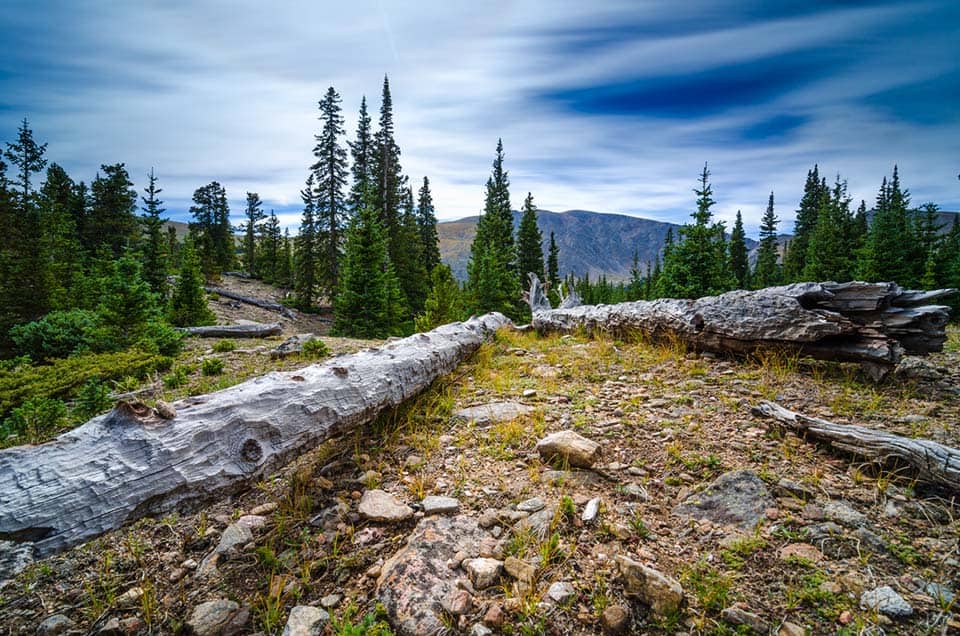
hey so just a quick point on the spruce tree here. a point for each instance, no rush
(739, 261)
(362, 154)
(188, 305)
(831, 251)
(634, 290)
(427, 224)
(126, 305)
(409, 261)
(553, 263)
(250, 228)
(388, 183)
(154, 243)
(271, 247)
(330, 176)
(366, 305)
(285, 263)
(305, 283)
(27, 156)
(60, 243)
(444, 303)
(529, 244)
(767, 272)
(795, 260)
(890, 241)
(927, 231)
(111, 220)
(213, 234)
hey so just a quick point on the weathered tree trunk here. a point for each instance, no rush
(254, 330)
(286, 312)
(130, 462)
(870, 323)
(929, 461)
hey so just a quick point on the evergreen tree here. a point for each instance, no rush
(213, 235)
(305, 283)
(111, 220)
(767, 272)
(927, 232)
(330, 175)
(271, 247)
(697, 265)
(553, 263)
(831, 249)
(126, 305)
(388, 178)
(739, 261)
(250, 228)
(154, 244)
(285, 263)
(366, 305)
(795, 260)
(409, 261)
(362, 153)
(188, 306)
(427, 223)
(890, 241)
(27, 156)
(444, 303)
(529, 244)
(60, 243)
(635, 286)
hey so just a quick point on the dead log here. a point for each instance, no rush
(131, 462)
(286, 312)
(929, 461)
(252, 330)
(870, 323)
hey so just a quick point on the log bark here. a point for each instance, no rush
(929, 461)
(870, 323)
(286, 312)
(131, 463)
(255, 330)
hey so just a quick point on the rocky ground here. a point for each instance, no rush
(554, 485)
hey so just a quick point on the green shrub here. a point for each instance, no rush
(212, 366)
(56, 335)
(159, 337)
(315, 348)
(92, 399)
(175, 379)
(35, 420)
(225, 346)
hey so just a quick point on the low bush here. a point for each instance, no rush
(315, 348)
(224, 346)
(35, 421)
(212, 366)
(93, 398)
(56, 335)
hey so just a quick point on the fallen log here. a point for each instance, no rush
(870, 323)
(929, 461)
(253, 330)
(286, 312)
(131, 462)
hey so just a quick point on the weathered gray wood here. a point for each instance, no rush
(929, 461)
(253, 330)
(286, 312)
(130, 462)
(871, 323)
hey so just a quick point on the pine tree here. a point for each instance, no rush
(188, 306)
(427, 223)
(795, 260)
(111, 220)
(271, 247)
(254, 215)
(126, 305)
(739, 262)
(154, 244)
(635, 286)
(831, 250)
(305, 283)
(927, 231)
(444, 303)
(890, 241)
(553, 263)
(330, 175)
(27, 156)
(285, 262)
(388, 178)
(409, 261)
(697, 265)
(60, 243)
(366, 305)
(213, 235)
(529, 244)
(767, 272)
(362, 153)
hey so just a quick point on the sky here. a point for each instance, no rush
(605, 106)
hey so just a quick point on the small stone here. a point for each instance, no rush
(479, 629)
(494, 616)
(488, 547)
(843, 514)
(483, 572)
(412, 462)
(111, 628)
(520, 570)
(436, 505)
(886, 601)
(801, 551)
(165, 410)
(791, 629)
(615, 620)
(493, 413)
(373, 571)
(131, 625)
(591, 511)
(331, 600)
(378, 505)
(488, 518)
(253, 522)
(870, 540)
(130, 596)
(54, 625)
(306, 620)
(458, 602)
(538, 523)
(570, 448)
(215, 618)
(263, 510)
(739, 616)
(845, 618)
(662, 593)
(529, 393)
(531, 505)
(561, 592)
(796, 489)
(942, 594)
(636, 491)
(636, 471)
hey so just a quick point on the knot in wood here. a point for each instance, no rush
(251, 451)
(340, 371)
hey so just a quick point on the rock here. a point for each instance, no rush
(591, 511)
(520, 570)
(377, 505)
(331, 600)
(570, 448)
(886, 601)
(615, 620)
(479, 629)
(636, 491)
(870, 540)
(843, 514)
(306, 620)
(789, 487)
(436, 505)
(292, 345)
(531, 505)
(54, 625)
(253, 522)
(529, 393)
(942, 594)
(14, 558)
(662, 593)
(412, 462)
(330, 517)
(791, 629)
(538, 524)
(561, 592)
(218, 618)
(737, 498)
(494, 616)
(415, 579)
(493, 412)
(130, 596)
(458, 603)
(263, 510)
(483, 572)
(803, 551)
(739, 616)
(233, 538)
(165, 410)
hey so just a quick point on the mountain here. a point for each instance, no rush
(590, 242)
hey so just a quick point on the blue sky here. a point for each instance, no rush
(607, 106)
